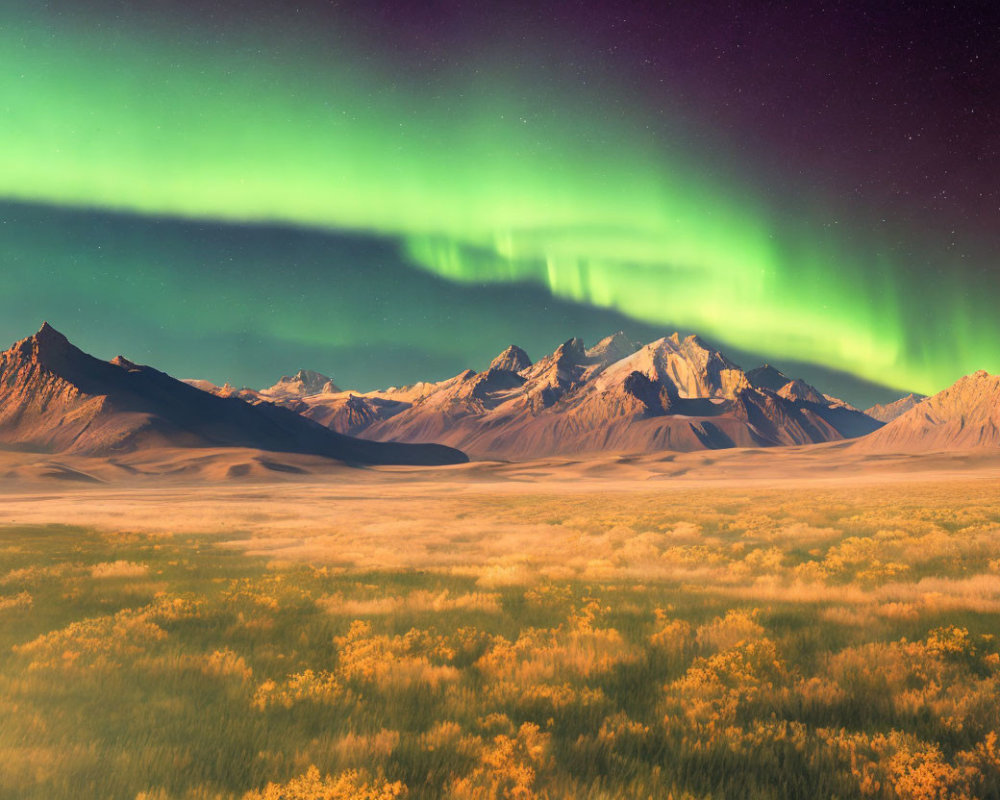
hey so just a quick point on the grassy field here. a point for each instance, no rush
(833, 643)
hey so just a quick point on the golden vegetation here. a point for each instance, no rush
(350, 785)
(747, 645)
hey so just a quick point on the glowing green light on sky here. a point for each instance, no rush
(481, 179)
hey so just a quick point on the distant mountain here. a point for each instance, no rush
(56, 398)
(287, 390)
(671, 394)
(964, 416)
(303, 383)
(768, 377)
(889, 411)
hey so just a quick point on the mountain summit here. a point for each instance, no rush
(302, 384)
(889, 411)
(672, 394)
(55, 398)
(964, 416)
(513, 359)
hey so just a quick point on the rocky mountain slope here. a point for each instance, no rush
(56, 398)
(964, 416)
(672, 394)
(889, 411)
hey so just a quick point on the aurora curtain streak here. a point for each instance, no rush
(484, 175)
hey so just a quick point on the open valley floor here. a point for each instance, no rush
(735, 624)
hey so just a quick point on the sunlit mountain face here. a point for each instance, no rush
(393, 191)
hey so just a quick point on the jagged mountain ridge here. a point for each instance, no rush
(303, 383)
(671, 394)
(889, 411)
(56, 398)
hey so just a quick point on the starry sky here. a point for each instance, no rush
(388, 192)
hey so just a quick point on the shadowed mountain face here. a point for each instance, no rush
(54, 397)
(768, 377)
(671, 394)
(964, 416)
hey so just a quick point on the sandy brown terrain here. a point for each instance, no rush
(259, 493)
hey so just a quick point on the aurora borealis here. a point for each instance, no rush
(413, 189)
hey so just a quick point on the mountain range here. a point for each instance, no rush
(56, 398)
(671, 394)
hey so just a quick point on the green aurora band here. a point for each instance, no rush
(497, 179)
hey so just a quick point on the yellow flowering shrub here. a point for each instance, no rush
(713, 689)
(21, 600)
(416, 657)
(350, 785)
(302, 687)
(508, 768)
(106, 641)
(736, 627)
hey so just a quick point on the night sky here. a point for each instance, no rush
(395, 191)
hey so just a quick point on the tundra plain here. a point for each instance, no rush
(803, 623)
